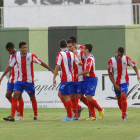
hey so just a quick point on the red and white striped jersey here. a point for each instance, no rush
(25, 66)
(119, 69)
(65, 60)
(79, 46)
(89, 65)
(14, 70)
(77, 68)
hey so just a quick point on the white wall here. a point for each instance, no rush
(68, 15)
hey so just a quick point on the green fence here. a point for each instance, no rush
(44, 42)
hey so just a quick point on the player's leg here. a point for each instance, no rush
(29, 88)
(73, 95)
(61, 96)
(119, 101)
(74, 105)
(124, 90)
(80, 94)
(65, 88)
(21, 107)
(17, 91)
(8, 95)
(90, 92)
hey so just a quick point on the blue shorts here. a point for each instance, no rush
(10, 86)
(77, 87)
(124, 88)
(28, 87)
(65, 88)
(90, 84)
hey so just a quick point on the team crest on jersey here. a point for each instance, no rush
(28, 59)
(124, 63)
(89, 63)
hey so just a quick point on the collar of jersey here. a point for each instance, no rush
(22, 55)
(89, 56)
(66, 50)
(117, 60)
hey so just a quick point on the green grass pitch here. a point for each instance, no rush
(49, 126)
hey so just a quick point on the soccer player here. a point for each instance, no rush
(65, 60)
(117, 71)
(90, 83)
(12, 79)
(78, 47)
(77, 87)
(25, 80)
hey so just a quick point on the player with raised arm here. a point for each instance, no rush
(117, 71)
(25, 81)
(65, 60)
(12, 79)
(90, 83)
(77, 87)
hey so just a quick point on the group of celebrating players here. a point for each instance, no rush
(78, 79)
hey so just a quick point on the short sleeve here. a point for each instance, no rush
(36, 59)
(88, 64)
(58, 59)
(81, 47)
(130, 62)
(110, 65)
(13, 61)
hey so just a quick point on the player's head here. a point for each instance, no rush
(63, 44)
(120, 53)
(87, 48)
(10, 48)
(23, 47)
(70, 45)
(74, 39)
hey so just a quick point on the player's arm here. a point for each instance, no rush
(82, 73)
(131, 63)
(77, 58)
(111, 75)
(5, 72)
(58, 63)
(12, 63)
(55, 74)
(137, 72)
(37, 60)
(47, 67)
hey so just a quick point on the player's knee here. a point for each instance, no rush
(8, 96)
(123, 97)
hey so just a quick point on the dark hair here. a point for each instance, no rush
(70, 41)
(63, 43)
(121, 49)
(74, 39)
(9, 45)
(89, 47)
(22, 43)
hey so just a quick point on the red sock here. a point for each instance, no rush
(92, 109)
(69, 108)
(63, 101)
(123, 105)
(119, 103)
(10, 100)
(18, 107)
(34, 105)
(74, 106)
(21, 107)
(14, 107)
(77, 102)
(96, 105)
(84, 100)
